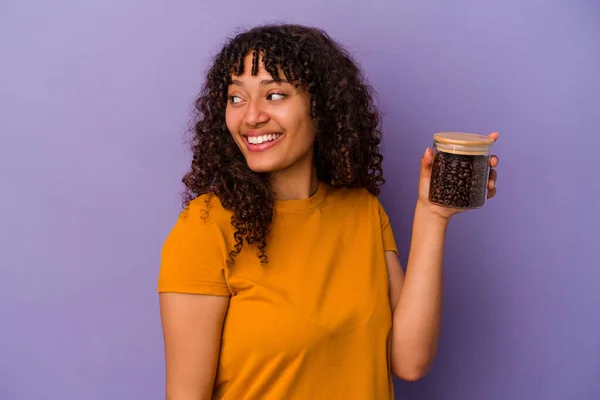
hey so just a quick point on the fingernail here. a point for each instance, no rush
(426, 151)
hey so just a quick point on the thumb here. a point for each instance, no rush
(426, 163)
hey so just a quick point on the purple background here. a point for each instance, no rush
(94, 103)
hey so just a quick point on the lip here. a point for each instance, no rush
(254, 147)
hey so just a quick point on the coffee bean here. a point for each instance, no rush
(459, 181)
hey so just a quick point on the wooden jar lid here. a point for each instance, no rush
(463, 139)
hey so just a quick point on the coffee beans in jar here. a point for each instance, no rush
(460, 170)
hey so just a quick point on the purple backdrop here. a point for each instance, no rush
(94, 102)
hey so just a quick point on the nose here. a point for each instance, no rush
(255, 114)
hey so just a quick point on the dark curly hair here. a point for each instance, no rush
(347, 125)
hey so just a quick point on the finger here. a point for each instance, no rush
(494, 160)
(493, 179)
(494, 135)
(426, 162)
(491, 193)
(428, 156)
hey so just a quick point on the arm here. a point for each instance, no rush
(417, 301)
(417, 297)
(192, 326)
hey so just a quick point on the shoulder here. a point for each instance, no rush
(203, 219)
(194, 253)
(202, 227)
(206, 208)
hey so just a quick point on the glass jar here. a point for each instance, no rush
(460, 170)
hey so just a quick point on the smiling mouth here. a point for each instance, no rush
(260, 143)
(262, 138)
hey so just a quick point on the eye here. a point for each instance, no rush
(276, 96)
(235, 99)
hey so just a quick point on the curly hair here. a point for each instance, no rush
(346, 148)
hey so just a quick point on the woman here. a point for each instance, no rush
(280, 280)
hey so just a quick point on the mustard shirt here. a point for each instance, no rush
(312, 324)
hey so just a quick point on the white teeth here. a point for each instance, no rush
(263, 138)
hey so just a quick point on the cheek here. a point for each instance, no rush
(305, 124)
(306, 132)
(232, 123)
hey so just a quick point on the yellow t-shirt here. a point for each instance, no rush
(312, 324)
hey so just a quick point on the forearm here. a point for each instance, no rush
(417, 316)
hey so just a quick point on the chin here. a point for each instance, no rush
(263, 166)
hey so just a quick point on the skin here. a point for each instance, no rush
(417, 296)
(258, 105)
(192, 326)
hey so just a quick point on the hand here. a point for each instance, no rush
(425, 176)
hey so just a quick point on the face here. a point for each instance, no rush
(269, 121)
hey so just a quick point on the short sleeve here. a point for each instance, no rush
(389, 242)
(193, 256)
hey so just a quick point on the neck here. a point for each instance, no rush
(295, 183)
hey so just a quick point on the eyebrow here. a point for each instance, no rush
(264, 82)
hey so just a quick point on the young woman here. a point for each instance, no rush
(280, 279)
